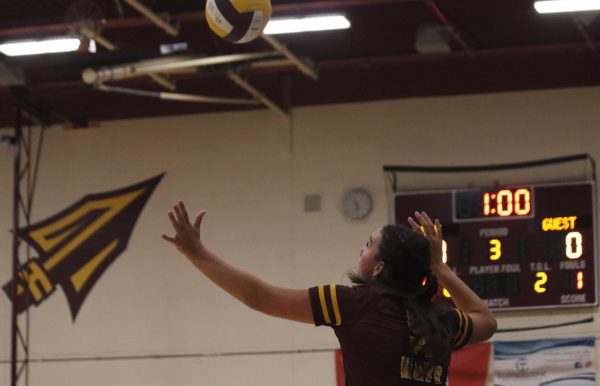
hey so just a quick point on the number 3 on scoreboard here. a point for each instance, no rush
(495, 249)
(539, 284)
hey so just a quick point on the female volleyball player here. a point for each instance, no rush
(390, 330)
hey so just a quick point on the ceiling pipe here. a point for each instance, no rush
(237, 79)
(304, 66)
(164, 81)
(179, 97)
(584, 32)
(132, 70)
(154, 17)
(452, 29)
(88, 33)
(277, 65)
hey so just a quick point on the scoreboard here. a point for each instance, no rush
(517, 247)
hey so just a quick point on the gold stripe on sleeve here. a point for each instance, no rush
(464, 327)
(460, 324)
(336, 307)
(324, 305)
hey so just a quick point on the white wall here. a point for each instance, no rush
(251, 171)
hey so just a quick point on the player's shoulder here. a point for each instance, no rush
(443, 309)
(458, 321)
(335, 304)
(440, 307)
(358, 290)
(373, 290)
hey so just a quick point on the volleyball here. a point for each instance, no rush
(238, 21)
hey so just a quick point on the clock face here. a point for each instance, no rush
(357, 204)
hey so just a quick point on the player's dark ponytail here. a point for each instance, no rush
(407, 274)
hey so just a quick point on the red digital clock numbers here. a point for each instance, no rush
(476, 204)
(507, 202)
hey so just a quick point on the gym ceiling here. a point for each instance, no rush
(394, 49)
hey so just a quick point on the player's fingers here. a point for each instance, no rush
(438, 227)
(198, 220)
(413, 224)
(184, 212)
(178, 214)
(169, 239)
(173, 220)
(426, 217)
(427, 225)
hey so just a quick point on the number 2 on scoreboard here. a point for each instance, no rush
(539, 285)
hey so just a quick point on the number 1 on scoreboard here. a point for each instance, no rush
(445, 260)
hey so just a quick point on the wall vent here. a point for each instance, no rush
(312, 203)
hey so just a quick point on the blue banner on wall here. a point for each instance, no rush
(547, 362)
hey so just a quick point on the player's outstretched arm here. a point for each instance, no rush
(284, 303)
(484, 322)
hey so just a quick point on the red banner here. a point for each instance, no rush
(339, 368)
(469, 365)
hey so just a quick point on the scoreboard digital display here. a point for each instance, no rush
(521, 247)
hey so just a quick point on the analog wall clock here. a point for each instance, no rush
(357, 203)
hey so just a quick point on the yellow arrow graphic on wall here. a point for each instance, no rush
(77, 245)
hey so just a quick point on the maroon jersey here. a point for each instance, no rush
(372, 328)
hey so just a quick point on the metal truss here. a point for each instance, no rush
(26, 143)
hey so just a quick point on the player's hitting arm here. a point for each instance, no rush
(281, 302)
(284, 303)
(484, 322)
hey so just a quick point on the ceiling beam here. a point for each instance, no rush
(261, 68)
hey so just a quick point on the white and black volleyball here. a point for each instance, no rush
(238, 21)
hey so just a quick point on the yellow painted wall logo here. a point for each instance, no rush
(77, 245)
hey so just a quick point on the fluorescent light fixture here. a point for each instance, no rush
(306, 24)
(168, 49)
(557, 6)
(48, 46)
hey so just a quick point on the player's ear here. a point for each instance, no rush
(378, 268)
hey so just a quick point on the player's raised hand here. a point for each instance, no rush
(432, 231)
(187, 235)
